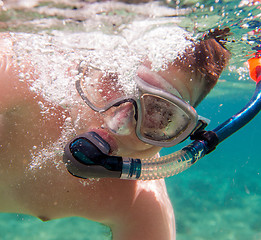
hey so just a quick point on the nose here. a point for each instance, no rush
(121, 120)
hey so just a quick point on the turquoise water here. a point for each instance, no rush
(219, 197)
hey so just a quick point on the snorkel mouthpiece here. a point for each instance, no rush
(87, 156)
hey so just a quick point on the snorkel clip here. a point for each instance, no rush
(209, 137)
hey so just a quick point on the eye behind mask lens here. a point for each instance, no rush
(162, 120)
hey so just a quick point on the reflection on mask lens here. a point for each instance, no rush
(162, 120)
(99, 87)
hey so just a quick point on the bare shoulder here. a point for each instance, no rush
(23, 125)
(128, 207)
(12, 89)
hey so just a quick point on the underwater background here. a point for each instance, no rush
(220, 196)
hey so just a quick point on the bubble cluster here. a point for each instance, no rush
(41, 157)
(56, 55)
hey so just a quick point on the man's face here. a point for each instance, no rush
(118, 124)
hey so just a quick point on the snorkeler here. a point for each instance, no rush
(34, 131)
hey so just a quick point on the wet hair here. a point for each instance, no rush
(206, 59)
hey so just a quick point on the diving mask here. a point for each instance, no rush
(162, 119)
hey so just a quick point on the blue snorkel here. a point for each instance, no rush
(87, 155)
(240, 119)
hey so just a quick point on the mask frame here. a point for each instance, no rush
(147, 89)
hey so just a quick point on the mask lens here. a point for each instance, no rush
(99, 87)
(162, 120)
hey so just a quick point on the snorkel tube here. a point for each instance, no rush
(251, 109)
(87, 155)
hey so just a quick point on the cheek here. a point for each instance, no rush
(108, 84)
(83, 118)
(101, 88)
